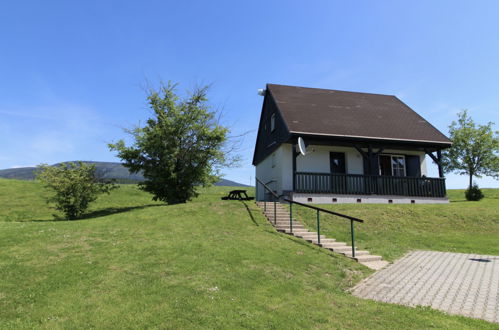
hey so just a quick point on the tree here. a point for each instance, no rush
(180, 148)
(74, 187)
(474, 150)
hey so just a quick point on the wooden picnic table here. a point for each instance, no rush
(238, 195)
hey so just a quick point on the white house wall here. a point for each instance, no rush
(317, 160)
(278, 168)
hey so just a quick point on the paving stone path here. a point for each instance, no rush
(456, 283)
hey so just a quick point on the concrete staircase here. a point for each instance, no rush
(282, 225)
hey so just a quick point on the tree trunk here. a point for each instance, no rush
(471, 181)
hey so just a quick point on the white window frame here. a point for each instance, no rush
(272, 122)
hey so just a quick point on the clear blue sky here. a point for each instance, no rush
(73, 72)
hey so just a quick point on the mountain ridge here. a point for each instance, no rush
(105, 170)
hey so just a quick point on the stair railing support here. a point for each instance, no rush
(275, 212)
(318, 228)
(353, 238)
(291, 218)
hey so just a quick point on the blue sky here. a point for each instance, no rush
(73, 72)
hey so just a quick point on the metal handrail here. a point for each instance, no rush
(317, 209)
(324, 210)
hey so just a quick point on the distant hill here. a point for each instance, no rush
(104, 170)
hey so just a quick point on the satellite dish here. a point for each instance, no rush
(301, 146)
(261, 92)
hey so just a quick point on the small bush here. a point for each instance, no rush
(474, 193)
(74, 186)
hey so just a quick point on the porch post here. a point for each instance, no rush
(440, 168)
(437, 160)
(370, 159)
(294, 154)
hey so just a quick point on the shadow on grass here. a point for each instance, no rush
(250, 213)
(100, 213)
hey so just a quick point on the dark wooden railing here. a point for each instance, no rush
(356, 184)
(276, 198)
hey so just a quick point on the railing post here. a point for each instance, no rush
(318, 228)
(353, 238)
(291, 218)
(275, 212)
(264, 199)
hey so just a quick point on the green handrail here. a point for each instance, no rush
(317, 209)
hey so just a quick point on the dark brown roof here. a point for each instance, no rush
(349, 114)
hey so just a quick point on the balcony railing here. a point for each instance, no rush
(356, 184)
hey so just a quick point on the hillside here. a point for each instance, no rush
(134, 263)
(104, 170)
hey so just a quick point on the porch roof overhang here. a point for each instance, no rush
(366, 141)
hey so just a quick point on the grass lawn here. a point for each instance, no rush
(133, 263)
(393, 230)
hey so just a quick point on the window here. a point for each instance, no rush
(393, 165)
(398, 165)
(272, 122)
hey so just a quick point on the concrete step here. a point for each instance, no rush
(296, 229)
(332, 246)
(343, 249)
(286, 223)
(367, 258)
(309, 234)
(323, 240)
(358, 253)
(376, 265)
(281, 215)
(278, 215)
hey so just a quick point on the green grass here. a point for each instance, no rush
(209, 263)
(393, 230)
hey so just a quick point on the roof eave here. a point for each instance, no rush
(443, 144)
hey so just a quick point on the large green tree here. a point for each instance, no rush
(181, 147)
(474, 150)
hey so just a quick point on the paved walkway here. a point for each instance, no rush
(456, 283)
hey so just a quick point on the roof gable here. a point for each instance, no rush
(351, 114)
(267, 140)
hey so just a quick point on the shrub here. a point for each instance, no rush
(473, 193)
(74, 187)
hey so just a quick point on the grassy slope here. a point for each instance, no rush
(393, 230)
(209, 263)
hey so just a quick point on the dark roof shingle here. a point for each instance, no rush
(351, 114)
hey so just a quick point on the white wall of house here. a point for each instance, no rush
(278, 167)
(317, 160)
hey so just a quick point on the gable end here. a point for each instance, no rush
(268, 140)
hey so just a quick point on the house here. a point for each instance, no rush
(361, 148)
